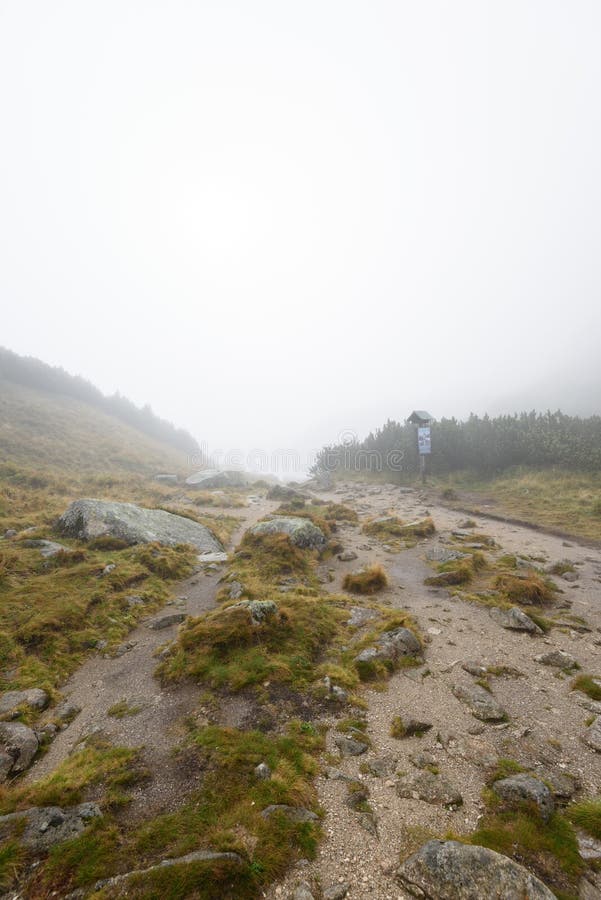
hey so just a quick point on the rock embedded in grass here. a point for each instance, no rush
(18, 746)
(11, 701)
(89, 519)
(449, 870)
(523, 788)
(293, 813)
(166, 621)
(42, 827)
(302, 532)
(349, 746)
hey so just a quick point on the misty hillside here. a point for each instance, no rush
(49, 419)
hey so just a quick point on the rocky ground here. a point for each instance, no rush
(410, 788)
(545, 719)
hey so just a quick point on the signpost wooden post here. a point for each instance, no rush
(423, 421)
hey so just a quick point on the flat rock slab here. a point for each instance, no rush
(558, 658)
(430, 788)
(46, 548)
(89, 519)
(166, 621)
(294, 813)
(481, 703)
(43, 826)
(449, 870)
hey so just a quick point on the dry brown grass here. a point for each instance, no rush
(368, 581)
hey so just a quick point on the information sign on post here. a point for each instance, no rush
(424, 442)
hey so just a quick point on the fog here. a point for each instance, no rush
(282, 222)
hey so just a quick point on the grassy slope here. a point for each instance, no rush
(50, 431)
(552, 498)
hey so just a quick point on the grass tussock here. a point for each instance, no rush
(526, 589)
(458, 571)
(391, 527)
(586, 815)
(368, 581)
(271, 557)
(589, 685)
(224, 815)
(323, 514)
(226, 648)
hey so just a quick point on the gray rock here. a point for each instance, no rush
(423, 759)
(41, 827)
(475, 750)
(514, 619)
(522, 787)
(302, 532)
(336, 891)
(294, 813)
(262, 772)
(592, 735)
(208, 478)
(443, 555)
(206, 559)
(361, 615)
(349, 746)
(302, 892)
(10, 701)
(449, 870)
(19, 743)
(474, 668)
(46, 548)
(570, 576)
(391, 646)
(89, 519)
(9, 533)
(482, 703)
(589, 847)
(558, 658)
(430, 788)
(108, 569)
(166, 621)
(382, 766)
(236, 590)
(259, 610)
(347, 556)
(166, 478)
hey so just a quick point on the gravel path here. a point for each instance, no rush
(546, 720)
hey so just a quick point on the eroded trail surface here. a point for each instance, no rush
(158, 725)
(545, 719)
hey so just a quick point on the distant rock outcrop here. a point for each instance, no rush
(89, 519)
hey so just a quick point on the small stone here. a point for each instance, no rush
(349, 746)
(262, 772)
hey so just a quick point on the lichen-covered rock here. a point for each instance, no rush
(558, 658)
(302, 532)
(430, 788)
(10, 701)
(449, 870)
(17, 743)
(481, 702)
(43, 826)
(390, 646)
(89, 519)
(514, 620)
(523, 788)
(259, 610)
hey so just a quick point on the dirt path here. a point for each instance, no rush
(546, 720)
(158, 726)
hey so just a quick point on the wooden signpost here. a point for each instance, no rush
(423, 421)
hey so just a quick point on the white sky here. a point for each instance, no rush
(276, 221)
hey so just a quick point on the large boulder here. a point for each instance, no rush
(41, 827)
(302, 532)
(208, 478)
(89, 519)
(481, 702)
(448, 870)
(18, 746)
